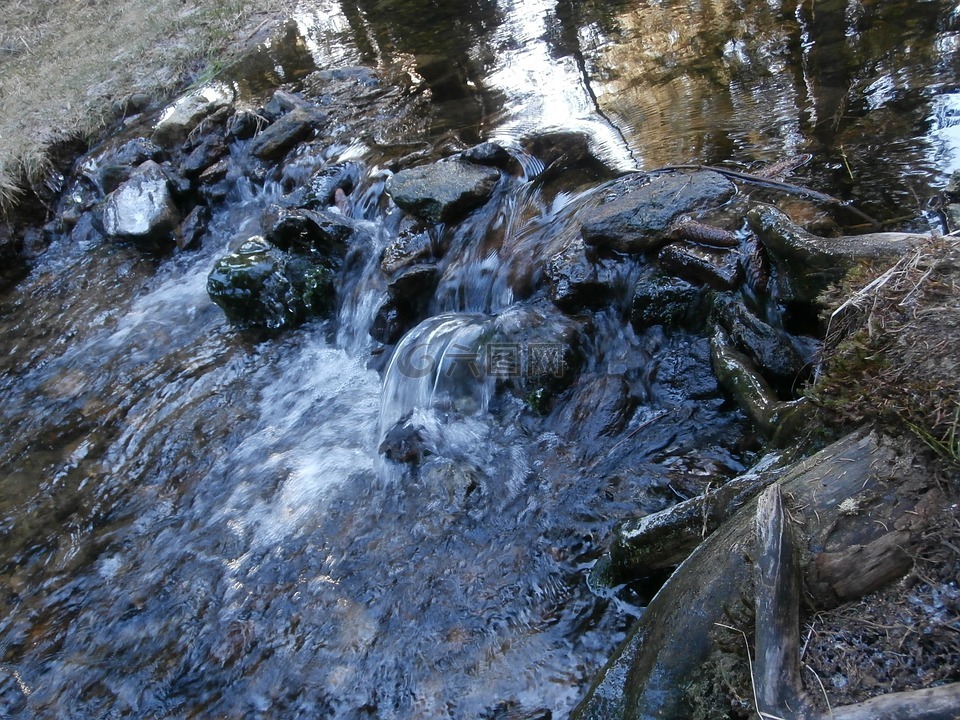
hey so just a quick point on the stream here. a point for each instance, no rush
(198, 522)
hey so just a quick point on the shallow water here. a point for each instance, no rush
(197, 523)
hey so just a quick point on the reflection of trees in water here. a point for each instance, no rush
(751, 80)
(445, 41)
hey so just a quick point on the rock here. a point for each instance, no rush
(407, 249)
(193, 227)
(772, 351)
(113, 169)
(663, 300)
(719, 269)
(534, 352)
(577, 280)
(321, 234)
(392, 320)
(262, 286)
(178, 119)
(320, 190)
(244, 125)
(493, 155)
(286, 132)
(637, 210)
(205, 154)
(280, 103)
(412, 282)
(807, 264)
(142, 209)
(405, 442)
(563, 147)
(599, 406)
(442, 192)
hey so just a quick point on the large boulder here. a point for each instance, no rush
(444, 191)
(637, 210)
(261, 286)
(142, 209)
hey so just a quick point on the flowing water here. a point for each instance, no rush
(196, 523)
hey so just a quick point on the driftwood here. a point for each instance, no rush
(849, 494)
(662, 540)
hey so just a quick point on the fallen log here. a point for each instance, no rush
(850, 493)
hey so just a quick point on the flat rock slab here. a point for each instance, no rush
(444, 191)
(638, 209)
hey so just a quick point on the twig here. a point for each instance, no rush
(822, 688)
(753, 684)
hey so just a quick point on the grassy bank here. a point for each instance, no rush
(67, 67)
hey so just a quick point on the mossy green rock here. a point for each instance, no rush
(262, 286)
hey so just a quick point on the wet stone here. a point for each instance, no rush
(205, 154)
(413, 281)
(599, 406)
(184, 115)
(392, 320)
(405, 442)
(404, 251)
(559, 148)
(776, 357)
(493, 155)
(668, 301)
(142, 208)
(262, 286)
(243, 125)
(319, 233)
(719, 269)
(280, 103)
(289, 130)
(320, 190)
(576, 280)
(444, 191)
(193, 227)
(636, 211)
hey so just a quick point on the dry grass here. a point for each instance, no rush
(64, 63)
(890, 356)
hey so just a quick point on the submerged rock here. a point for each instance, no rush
(261, 286)
(599, 406)
(637, 210)
(142, 209)
(577, 280)
(442, 192)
